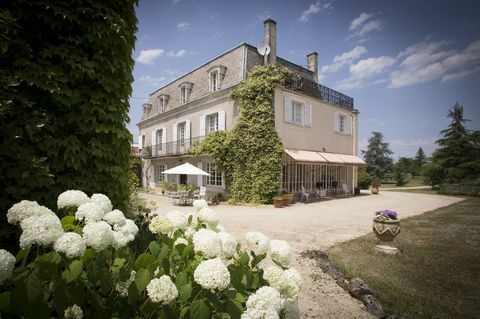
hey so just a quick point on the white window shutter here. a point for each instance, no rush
(349, 125)
(140, 146)
(221, 121)
(287, 108)
(154, 142)
(308, 115)
(187, 133)
(202, 125)
(336, 123)
(164, 140)
(174, 136)
(200, 177)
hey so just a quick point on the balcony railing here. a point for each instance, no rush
(170, 148)
(320, 92)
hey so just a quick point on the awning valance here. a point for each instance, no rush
(324, 158)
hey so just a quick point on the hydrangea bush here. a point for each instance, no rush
(83, 266)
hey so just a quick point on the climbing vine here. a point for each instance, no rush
(250, 155)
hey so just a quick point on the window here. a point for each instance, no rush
(214, 81)
(181, 134)
(297, 113)
(162, 102)
(215, 178)
(185, 90)
(157, 172)
(212, 122)
(159, 140)
(342, 119)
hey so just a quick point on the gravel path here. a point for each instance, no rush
(318, 226)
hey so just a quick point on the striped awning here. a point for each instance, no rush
(324, 158)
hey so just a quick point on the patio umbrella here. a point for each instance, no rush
(186, 169)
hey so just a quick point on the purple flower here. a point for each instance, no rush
(386, 214)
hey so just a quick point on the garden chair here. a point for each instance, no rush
(201, 193)
(321, 193)
(304, 194)
(346, 190)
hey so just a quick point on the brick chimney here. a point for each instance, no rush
(312, 60)
(271, 39)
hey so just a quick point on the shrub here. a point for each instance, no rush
(191, 269)
(364, 179)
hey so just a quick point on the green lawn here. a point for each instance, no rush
(414, 181)
(437, 274)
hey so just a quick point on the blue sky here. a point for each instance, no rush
(404, 62)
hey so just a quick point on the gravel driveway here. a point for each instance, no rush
(317, 226)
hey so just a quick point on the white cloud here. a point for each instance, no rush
(364, 24)
(153, 81)
(147, 56)
(312, 9)
(362, 72)
(345, 58)
(428, 61)
(183, 25)
(261, 17)
(176, 1)
(358, 21)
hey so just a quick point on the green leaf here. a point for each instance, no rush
(60, 298)
(257, 259)
(143, 261)
(73, 271)
(234, 309)
(244, 259)
(199, 310)
(154, 248)
(34, 288)
(185, 292)
(68, 223)
(142, 278)
(118, 264)
(5, 301)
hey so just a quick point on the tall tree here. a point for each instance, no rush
(65, 82)
(459, 151)
(420, 159)
(377, 156)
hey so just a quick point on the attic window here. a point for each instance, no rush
(185, 90)
(216, 76)
(147, 107)
(162, 102)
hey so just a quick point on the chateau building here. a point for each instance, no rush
(317, 125)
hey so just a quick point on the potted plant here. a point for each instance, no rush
(375, 186)
(278, 202)
(386, 227)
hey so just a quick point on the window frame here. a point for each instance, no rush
(208, 120)
(181, 133)
(342, 125)
(157, 172)
(159, 137)
(298, 108)
(216, 178)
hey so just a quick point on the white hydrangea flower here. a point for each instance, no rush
(229, 244)
(162, 290)
(25, 209)
(71, 244)
(291, 310)
(115, 217)
(73, 312)
(281, 252)
(199, 204)
(179, 220)
(208, 242)
(180, 241)
(98, 235)
(7, 264)
(190, 231)
(119, 240)
(160, 225)
(129, 230)
(294, 275)
(90, 212)
(41, 230)
(259, 241)
(72, 198)
(212, 274)
(264, 303)
(208, 216)
(122, 286)
(103, 201)
(277, 279)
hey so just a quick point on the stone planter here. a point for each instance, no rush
(278, 203)
(386, 231)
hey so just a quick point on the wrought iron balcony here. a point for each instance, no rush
(320, 92)
(180, 147)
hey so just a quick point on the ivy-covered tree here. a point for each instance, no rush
(459, 151)
(251, 153)
(65, 82)
(377, 156)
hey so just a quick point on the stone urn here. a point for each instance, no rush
(386, 231)
(374, 190)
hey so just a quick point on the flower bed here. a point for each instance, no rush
(82, 265)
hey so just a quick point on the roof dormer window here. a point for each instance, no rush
(147, 107)
(185, 90)
(162, 102)
(216, 76)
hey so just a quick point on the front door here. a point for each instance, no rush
(183, 179)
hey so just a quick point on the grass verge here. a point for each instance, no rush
(437, 274)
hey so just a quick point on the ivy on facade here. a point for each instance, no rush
(250, 155)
